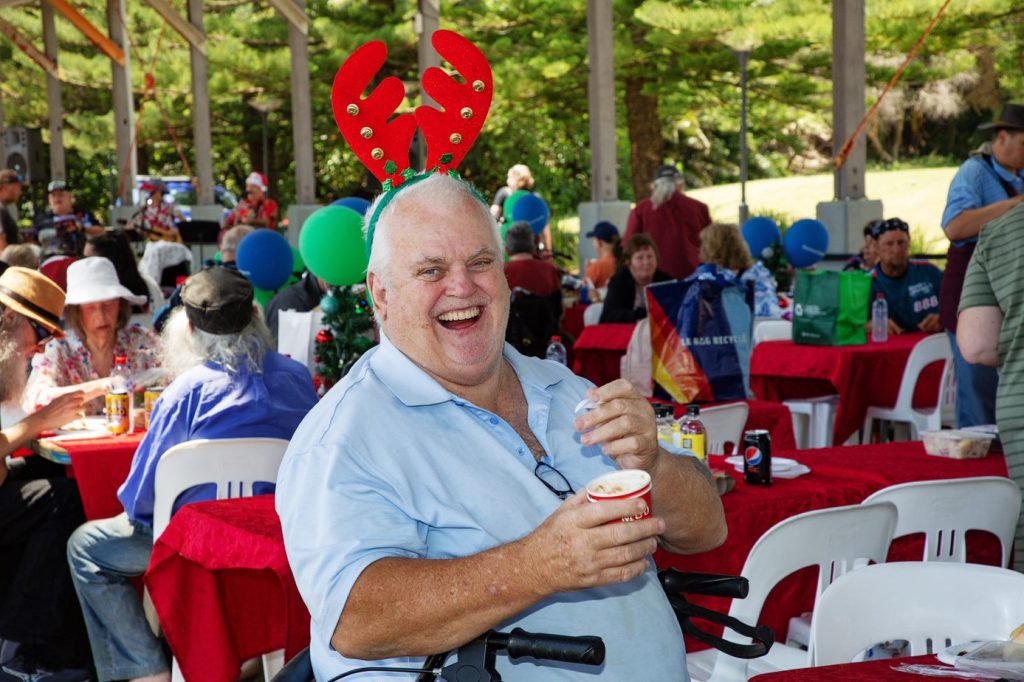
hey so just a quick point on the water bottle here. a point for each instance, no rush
(119, 398)
(693, 435)
(880, 319)
(556, 351)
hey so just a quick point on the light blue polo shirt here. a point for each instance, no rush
(975, 186)
(391, 464)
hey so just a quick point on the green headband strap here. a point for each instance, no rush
(391, 192)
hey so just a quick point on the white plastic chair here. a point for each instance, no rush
(934, 348)
(945, 510)
(592, 314)
(834, 540)
(724, 424)
(772, 330)
(234, 465)
(812, 417)
(930, 605)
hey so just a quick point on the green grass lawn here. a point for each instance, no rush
(918, 196)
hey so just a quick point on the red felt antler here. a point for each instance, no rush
(364, 122)
(450, 133)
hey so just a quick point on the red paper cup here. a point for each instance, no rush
(625, 484)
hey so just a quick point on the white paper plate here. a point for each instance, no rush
(951, 653)
(778, 463)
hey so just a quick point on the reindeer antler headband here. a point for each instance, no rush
(382, 144)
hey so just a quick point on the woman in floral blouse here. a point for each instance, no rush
(97, 330)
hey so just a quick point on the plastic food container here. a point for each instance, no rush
(957, 444)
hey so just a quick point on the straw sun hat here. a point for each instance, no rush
(33, 295)
(94, 279)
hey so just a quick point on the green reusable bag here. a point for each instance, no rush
(831, 308)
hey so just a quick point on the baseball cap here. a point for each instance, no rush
(666, 172)
(58, 186)
(605, 231)
(218, 300)
(880, 227)
(10, 177)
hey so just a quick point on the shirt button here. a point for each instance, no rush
(494, 420)
(521, 451)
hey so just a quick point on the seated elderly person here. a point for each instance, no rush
(437, 490)
(229, 244)
(40, 620)
(911, 287)
(97, 317)
(229, 384)
(625, 300)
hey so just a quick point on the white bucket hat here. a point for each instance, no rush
(94, 279)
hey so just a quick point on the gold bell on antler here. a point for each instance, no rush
(366, 132)
(352, 109)
(466, 112)
(455, 138)
(377, 153)
(478, 85)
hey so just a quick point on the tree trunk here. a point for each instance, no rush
(645, 142)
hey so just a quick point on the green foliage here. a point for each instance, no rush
(682, 51)
(347, 321)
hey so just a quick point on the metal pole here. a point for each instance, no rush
(744, 213)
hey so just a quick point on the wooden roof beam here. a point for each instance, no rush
(91, 32)
(25, 45)
(295, 15)
(193, 35)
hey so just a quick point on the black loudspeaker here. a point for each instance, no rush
(24, 153)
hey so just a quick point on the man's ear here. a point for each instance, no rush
(378, 294)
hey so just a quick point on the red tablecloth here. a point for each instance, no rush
(221, 585)
(879, 670)
(862, 376)
(572, 320)
(598, 349)
(100, 466)
(839, 476)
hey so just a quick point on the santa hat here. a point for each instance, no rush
(257, 179)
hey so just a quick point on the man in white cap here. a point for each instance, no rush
(255, 208)
(41, 630)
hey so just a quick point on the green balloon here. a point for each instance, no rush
(511, 201)
(331, 243)
(298, 267)
(262, 296)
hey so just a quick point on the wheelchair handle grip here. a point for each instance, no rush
(710, 584)
(587, 650)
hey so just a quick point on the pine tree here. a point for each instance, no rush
(347, 318)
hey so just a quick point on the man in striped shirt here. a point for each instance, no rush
(989, 332)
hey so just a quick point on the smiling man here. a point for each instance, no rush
(435, 492)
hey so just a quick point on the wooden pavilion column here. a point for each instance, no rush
(54, 100)
(124, 103)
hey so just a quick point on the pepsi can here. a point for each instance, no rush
(757, 457)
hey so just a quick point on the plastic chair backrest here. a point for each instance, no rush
(930, 349)
(592, 315)
(948, 404)
(724, 424)
(945, 510)
(772, 330)
(836, 540)
(233, 464)
(931, 605)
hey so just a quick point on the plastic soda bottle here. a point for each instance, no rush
(119, 403)
(880, 319)
(556, 351)
(693, 435)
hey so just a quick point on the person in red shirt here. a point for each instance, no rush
(523, 270)
(256, 208)
(673, 220)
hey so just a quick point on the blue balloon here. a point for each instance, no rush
(533, 210)
(805, 242)
(357, 204)
(761, 234)
(265, 258)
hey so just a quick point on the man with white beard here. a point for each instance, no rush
(39, 508)
(229, 384)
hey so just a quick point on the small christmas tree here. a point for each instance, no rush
(347, 318)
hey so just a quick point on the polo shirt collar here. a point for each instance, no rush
(1005, 173)
(414, 387)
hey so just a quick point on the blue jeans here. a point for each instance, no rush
(975, 390)
(104, 556)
